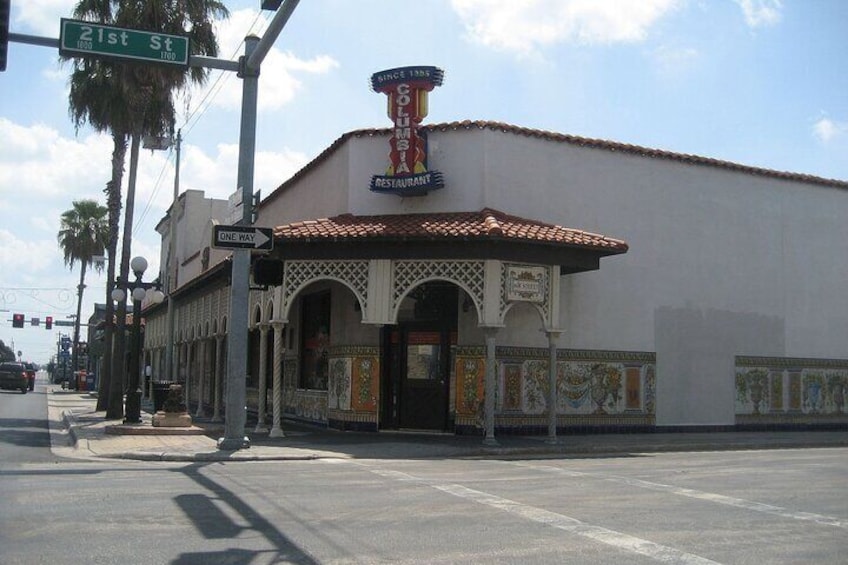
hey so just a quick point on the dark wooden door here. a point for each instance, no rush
(424, 379)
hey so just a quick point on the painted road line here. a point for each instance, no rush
(699, 495)
(606, 536)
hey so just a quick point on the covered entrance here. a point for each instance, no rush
(417, 361)
(397, 341)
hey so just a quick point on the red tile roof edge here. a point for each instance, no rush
(484, 224)
(574, 140)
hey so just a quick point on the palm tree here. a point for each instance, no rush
(82, 236)
(132, 100)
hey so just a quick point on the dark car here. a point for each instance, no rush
(13, 376)
(30, 371)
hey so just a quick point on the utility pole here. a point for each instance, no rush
(170, 269)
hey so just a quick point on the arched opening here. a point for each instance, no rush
(418, 358)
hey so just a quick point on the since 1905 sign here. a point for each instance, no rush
(407, 89)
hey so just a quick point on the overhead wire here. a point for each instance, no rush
(194, 117)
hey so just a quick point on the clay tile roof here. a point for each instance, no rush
(487, 223)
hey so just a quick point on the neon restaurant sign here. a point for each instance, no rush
(407, 89)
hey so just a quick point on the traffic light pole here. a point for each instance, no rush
(236, 417)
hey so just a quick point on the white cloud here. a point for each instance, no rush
(278, 83)
(826, 130)
(761, 13)
(44, 164)
(216, 174)
(19, 252)
(525, 27)
(41, 17)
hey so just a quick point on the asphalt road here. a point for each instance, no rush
(24, 434)
(741, 507)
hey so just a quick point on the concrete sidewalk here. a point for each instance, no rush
(79, 431)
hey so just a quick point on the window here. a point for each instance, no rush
(315, 340)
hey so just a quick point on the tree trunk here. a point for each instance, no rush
(119, 365)
(80, 289)
(106, 399)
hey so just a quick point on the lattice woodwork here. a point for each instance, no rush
(298, 274)
(470, 275)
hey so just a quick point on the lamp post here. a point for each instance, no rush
(169, 277)
(138, 290)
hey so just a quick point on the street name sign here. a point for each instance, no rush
(81, 39)
(242, 237)
(63, 322)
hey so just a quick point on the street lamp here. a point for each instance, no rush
(138, 290)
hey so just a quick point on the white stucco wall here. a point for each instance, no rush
(320, 193)
(721, 263)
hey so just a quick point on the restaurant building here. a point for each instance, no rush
(483, 278)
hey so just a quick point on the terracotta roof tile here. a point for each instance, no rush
(487, 223)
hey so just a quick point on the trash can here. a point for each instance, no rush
(160, 394)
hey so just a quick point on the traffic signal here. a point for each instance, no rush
(5, 11)
(17, 320)
(48, 322)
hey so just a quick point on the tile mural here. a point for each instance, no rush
(588, 382)
(790, 390)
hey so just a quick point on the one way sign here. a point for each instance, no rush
(242, 237)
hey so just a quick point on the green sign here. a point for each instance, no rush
(81, 39)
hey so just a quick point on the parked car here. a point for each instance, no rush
(30, 371)
(13, 376)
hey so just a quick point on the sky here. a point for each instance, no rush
(757, 82)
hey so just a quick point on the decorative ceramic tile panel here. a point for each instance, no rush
(338, 390)
(470, 375)
(588, 382)
(365, 381)
(782, 389)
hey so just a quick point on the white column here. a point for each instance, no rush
(187, 368)
(552, 386)
(279, 350)
(490, 386)
(201, 376)
(216, 395)
(263, 378)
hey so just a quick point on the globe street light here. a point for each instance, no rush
(139, 291)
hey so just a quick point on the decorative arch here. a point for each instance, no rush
(300, 274)
(468, 275)
(396, 305)
(269, 310)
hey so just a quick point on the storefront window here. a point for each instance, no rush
(315, 344)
